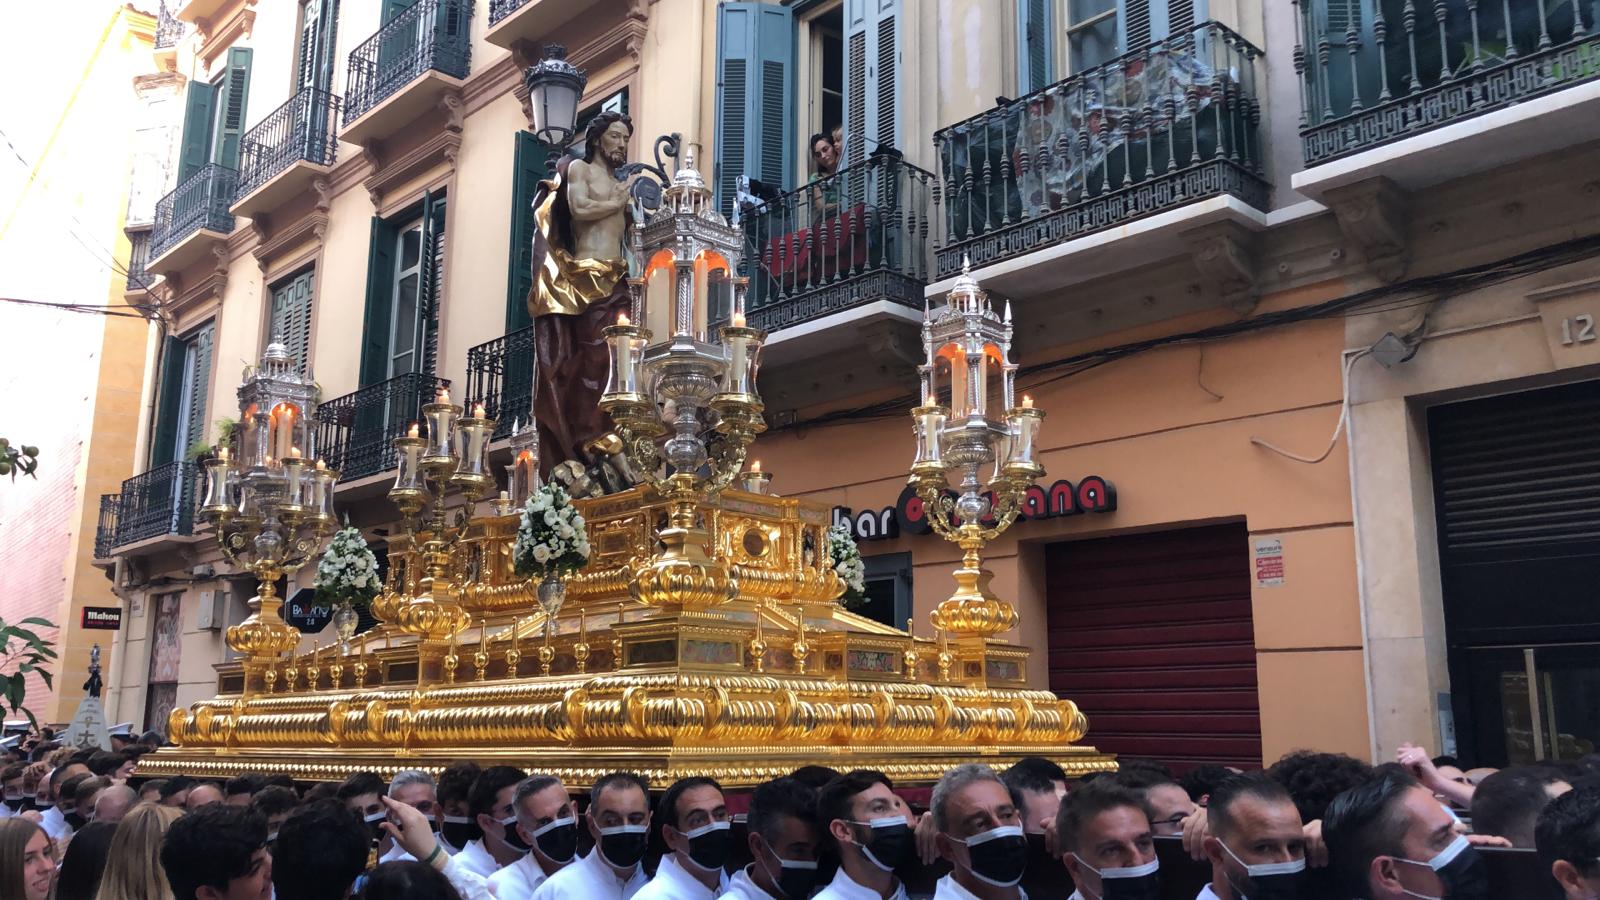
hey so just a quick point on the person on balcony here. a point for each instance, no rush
(824, 186)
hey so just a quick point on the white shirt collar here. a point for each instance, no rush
(741, 883)
(950, 889)
(1206, 893)
(845, 886)
(593, 863)
(680, 882)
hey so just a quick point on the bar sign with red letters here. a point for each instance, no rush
(108, 618)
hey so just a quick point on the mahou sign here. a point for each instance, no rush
(1092, 494)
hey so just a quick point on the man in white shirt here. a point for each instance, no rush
(1257, 845)
(619, 821)
(783, 842)
(412, 830)
(11, 790)
(871, 827)
(361, 793)
(547, 821)
(489, 804)
(456, 826)
(1104, 834)
(414, 788)
(979, 828)
(55, 820)
(1041, 784)
(695, 828)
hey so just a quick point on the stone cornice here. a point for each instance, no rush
(219, 33)
(184, 299)
(442, 147)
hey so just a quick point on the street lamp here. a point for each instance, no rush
(554, 88)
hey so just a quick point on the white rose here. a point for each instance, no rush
(541, 554)
(550, 517)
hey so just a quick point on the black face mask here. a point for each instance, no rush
(891, 844)
(1132, 883)
(796, 878)
(75, 820)
(513, 838)
(1266, 881)
(459, 831)
(558, 840)
(999, 856)
(709, 845)
(373, 831)
(14, 803)
(1460, 870)
(623, 846)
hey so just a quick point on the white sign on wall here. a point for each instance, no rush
(1269, 561)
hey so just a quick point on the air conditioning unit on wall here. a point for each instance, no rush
(211, 609)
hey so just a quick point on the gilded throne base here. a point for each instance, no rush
(632, 676)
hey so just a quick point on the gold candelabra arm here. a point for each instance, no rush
(937, 507)
(1008, 493)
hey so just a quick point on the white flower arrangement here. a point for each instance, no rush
(551, 538)
(348, 572)
(847, 563)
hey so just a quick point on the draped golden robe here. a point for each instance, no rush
(571, 301)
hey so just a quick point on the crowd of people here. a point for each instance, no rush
(83, 825)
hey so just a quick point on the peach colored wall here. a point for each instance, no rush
(1178, 456)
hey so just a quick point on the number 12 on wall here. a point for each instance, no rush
(1577, 330)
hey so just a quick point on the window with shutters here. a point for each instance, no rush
(214, 117)
(314, 50)
(819, 82)
(1098, 31)
(185, 383)
(405, 279)
(755, 128)
(290, 317)
(873, 54)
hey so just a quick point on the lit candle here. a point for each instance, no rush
(321, 466)
(622, 319)
(443, 397)
(1027, 402)
(222, 453)
(477, 410)
(412, 431)
(294, 452)
(755, 466)
(738, 320)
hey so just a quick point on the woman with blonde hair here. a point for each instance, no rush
(133, 869)
(27, 860)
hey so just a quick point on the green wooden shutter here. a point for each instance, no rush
(1035, 44)
(195, 149)
(164, 442)
(430, 291)
(318, 29)
(528, 169)
(872, 51)
(392, 8)
(380, 302)
(1143, 22)
(199, 365)
(233, 98)
(291, 317)
(755, 72)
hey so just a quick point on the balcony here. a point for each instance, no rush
(169, 30)
(153, 506)
(284, 153)
(105, 532)
(139, 276)
(406, 68)
(1144, 148)
(1420, 95)
(500, 376)
(192, 219)
(852, 248)
(528, 21)
(356, 432)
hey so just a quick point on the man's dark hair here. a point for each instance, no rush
(279, 780)
(1446, 761)
(1569, 829)
(491, 782)
(1090, 800)
(12, 771)
(81, 756)
(322, 790)
(1143, 776)
(59, 775)
(667, 808)
(273, 800)
(1363, 823)
(1314, 779)
(211, 846)
(319, 852)
(155, 784)
(104, 762)
(247, 783)
(360, 783)
(618, 780)
(177, 784)
(775, 799)
(1219, 809)
(68, 790)
(1200, 781)
(1508, 802)
(833, 801)
(152, 738)
(455, 782)
(814, 777)
(1035, 769)
(408, 881)
(597, 127)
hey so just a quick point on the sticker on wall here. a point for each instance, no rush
(1269, 561)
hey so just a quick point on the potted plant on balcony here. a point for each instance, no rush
(847, 563)
(552, 543)
(347, 580)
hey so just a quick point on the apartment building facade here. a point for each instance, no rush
(1277, 269)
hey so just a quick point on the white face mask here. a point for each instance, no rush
(1439, 861)
(1292, 867)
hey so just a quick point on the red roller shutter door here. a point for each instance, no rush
(1151, 636)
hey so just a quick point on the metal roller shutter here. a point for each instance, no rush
(1151, 635)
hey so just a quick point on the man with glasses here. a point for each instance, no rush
(1256, 845)
(1169, 802)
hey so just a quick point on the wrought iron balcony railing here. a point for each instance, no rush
(499, 9)
(105, 532)
(138, 258)
(854, 237)
(1376, 71)
(200, 202)
(500, 376)
(156, 503)
(430, 34)
(302, 129)
(356, 432)
(168, 29)
(1152, 130)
